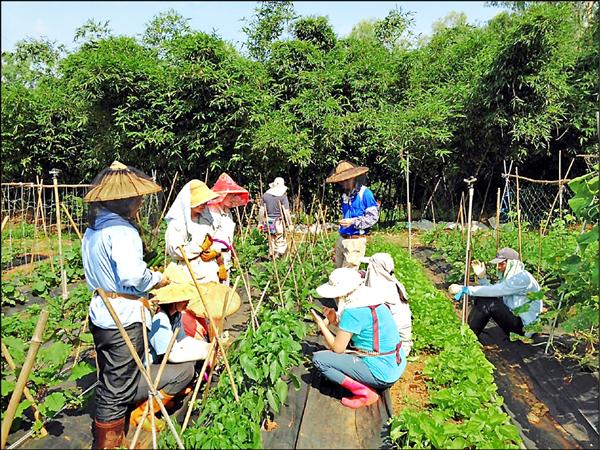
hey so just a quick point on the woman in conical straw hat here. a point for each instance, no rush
(180, 368)
(360, 212)
(112, 257)
(231, 195)
(190, 226)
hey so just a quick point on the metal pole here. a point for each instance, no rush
(498, 220)
(470, 182)
(408, 203)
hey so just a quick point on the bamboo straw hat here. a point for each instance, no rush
(182, 288)
(200, 193)
(120, 181)
(344, 171)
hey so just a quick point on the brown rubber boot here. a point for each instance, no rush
(137, 413)
(109, 435)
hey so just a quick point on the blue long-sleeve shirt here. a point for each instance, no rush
(361, 206)
(112, 256)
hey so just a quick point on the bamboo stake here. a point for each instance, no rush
(73, 224)
(498, 220)
(83, 327)
(139, 363)
(28, 396)
(151, 398)
(197, 386)
(4, 222)
(15, 398)
(63, 274)
(519, 214)
(247, 288)
(539, 253)
(161, 369)
(262, 295)
(470, 183)
(212, 324)
(560, 196)
(408, 203)
(162, 214)
(249, 223)
(556, 198)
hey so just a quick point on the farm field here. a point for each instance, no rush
(457, 140)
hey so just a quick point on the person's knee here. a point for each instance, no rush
(320, 360)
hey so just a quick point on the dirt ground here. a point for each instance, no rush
(410, 389)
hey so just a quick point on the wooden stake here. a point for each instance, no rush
(498, 220)
(4, 222)
(28, 396)
(63, 274)
(519, 214)
(73, 224)
(139, 363)
(211, 322)
(162, 214)
(15, 398)
(155, 385)
(151, 398)
(188, 414)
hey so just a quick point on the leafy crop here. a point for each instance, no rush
(463, 410)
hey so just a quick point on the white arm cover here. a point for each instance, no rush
(189, 349)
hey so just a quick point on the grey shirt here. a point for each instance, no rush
(272, 204)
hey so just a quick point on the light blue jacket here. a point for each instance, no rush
(513, 291)
(112, 256)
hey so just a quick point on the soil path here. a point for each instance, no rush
(554, 403)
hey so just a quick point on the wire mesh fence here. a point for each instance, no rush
(29, 217)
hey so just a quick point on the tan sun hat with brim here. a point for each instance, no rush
(174, 292)
(200, 193)
(215, 294)
(344, 171)
(120, 181)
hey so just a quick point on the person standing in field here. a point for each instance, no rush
(360, 212)
(112, 256)
(275, 213)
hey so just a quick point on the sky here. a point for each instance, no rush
(58, 21)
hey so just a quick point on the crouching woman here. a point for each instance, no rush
(375, 359)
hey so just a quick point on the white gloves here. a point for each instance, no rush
(454, 289)
(478, 269)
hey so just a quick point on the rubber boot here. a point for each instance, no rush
(363, 395)
(109, 435)
(137, 413)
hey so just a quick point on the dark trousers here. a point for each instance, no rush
(173, 380)
(119, 375)
(486, 308)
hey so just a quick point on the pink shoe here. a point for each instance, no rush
(363, 395)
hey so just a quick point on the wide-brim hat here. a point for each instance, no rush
(215, 295)
(200, 193)
(277, 187)
(174, 292)
(225, 186)
(505, 253)
(341, 282)
(120, 181)
(344, 171)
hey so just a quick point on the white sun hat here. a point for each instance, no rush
(341, 282)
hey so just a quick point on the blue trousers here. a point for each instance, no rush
(337, 366)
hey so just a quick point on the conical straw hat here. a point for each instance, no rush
(344, 171)
(214, 295)
(120, 181)
(174, 292)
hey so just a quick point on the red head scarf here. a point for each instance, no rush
(225, 185)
